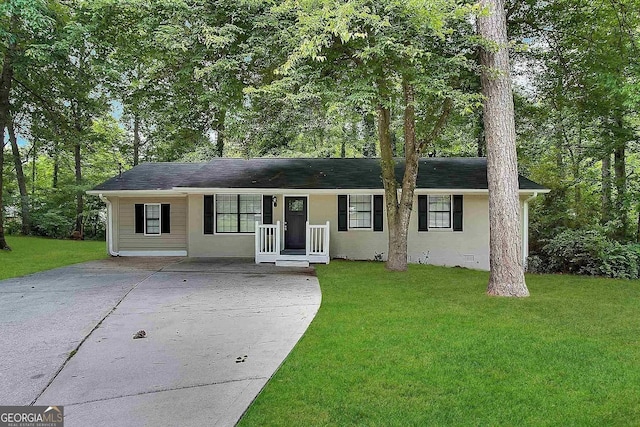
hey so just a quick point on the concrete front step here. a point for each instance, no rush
(292, 263)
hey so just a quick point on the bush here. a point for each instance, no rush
(587, 252)
(52, 223)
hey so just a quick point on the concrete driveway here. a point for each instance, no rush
(216, 331)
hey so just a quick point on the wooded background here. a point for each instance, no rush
(89, 88)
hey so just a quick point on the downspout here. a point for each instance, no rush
(525, 232)
(109, 226)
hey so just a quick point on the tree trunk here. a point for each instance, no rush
(412, 159)
(79, 193)
(577, 189)
(481, 143)
(56, 166)
(620, 179)
(136, 139)
(638, 230)
(34, 159)
(22, 185)
(505, 241)
(394, 259)
(220, 129)
(3, 242)
(606, 206)
(369, 146)
(5, 92)
(399, 211)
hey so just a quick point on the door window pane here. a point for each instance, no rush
(296, 205)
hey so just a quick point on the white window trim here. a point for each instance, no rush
(349, 228)
(436, 229)
(215, 214)
(159, 233)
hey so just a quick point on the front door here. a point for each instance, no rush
(295, 222)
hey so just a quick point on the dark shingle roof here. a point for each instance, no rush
(436, 173)
(151, 176)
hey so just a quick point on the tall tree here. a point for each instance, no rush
(384, 56)
(3, 242)
(22, 184)
(76, 73)
(582, 64)
(505, 242)
(6, 79)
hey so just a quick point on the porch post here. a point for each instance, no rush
(257, 241)
(326, 247)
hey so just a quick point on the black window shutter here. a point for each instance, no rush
(267, 209)
(139, 218)
(378, 217)
(457, 213)
(165, 216)
(423, 225)
(342, 213)
(208, 214)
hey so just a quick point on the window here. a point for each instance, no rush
(152, 219)
(439, 212)
(236, 213)
(360, 211)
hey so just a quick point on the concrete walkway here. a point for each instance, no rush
(216, 332)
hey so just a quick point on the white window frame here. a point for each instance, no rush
(349, 214)
(159, 233)
(215, 215)
(450, 228)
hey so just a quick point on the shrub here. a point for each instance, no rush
(587, 252)
(52, 223)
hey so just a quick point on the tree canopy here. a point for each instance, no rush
(96, 86)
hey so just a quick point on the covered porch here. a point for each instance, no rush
(278, 243)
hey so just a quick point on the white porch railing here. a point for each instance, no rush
(267, 242)
(318, 243)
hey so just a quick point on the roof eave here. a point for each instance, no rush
(201, 190)
(184, 191)
(136, 193)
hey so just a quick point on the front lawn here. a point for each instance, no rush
(33, 254)
(428, 348)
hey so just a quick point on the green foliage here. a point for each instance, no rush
(303, 78)
(587, 252)
(578, 79)
(428, 348)
(355, 55)
(51, 219)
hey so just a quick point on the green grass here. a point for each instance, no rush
(428, 348)
(33, 254)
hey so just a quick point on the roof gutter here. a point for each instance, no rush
(109, 226)
(137, 193)
(257, 190)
